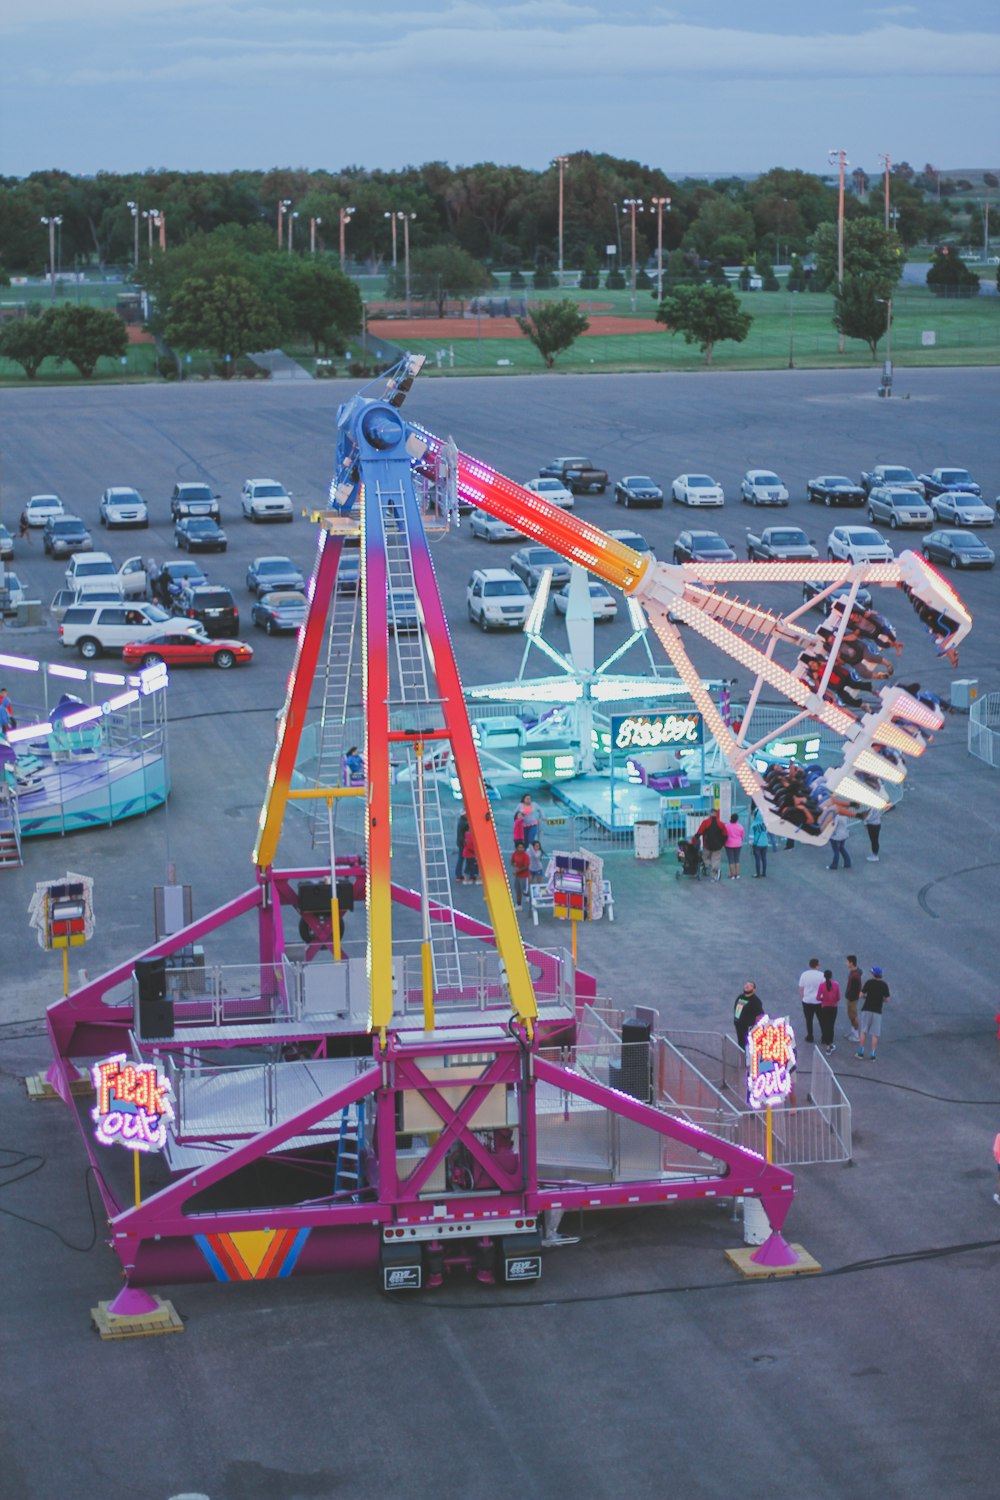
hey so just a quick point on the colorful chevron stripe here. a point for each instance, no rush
(252, 1254)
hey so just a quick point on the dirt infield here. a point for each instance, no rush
(449, 329)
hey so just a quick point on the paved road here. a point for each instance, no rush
(639, 1363)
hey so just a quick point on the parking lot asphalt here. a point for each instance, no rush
(640, 1363)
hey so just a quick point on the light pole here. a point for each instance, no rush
(886, 164)
(791, 332)
(986, 231)
(345, 215)
(152, 216)
(392, 224)
(887, 368)
(52, 220)
(407, 220)
(634, 205)
(134, 211)
(561, 164)
(659, 204)
(291, 229)
(312, 233)
(284, 204)
(840, 156)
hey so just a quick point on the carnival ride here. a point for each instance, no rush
(75, 762)
(437, 1099)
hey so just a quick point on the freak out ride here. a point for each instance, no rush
(434, 1098)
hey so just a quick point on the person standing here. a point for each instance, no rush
(873, 828)
(536, 863)
(759, 841)
(809, 982)
(829, 1002)
(471, 874)
(747, 1009)
(838, 842)
(735, 834)
(518, 829)
(533, 819)
(712, 835)
(520, 864)
(461, 830)
(852, 994)
(874, 995)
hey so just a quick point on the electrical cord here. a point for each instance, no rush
(22, 1159)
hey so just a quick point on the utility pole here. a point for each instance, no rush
(659, 204)
(840, 156)
(561, 162)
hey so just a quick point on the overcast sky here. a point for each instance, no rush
(694, 86)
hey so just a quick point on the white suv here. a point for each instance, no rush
(93, 628)
(123, 507)
(858, 544)
(497, 597)
(266, 500)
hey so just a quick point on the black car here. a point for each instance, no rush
(637, 489)
(702, 546)
(64, 535)
(959, 549)
(193, 500)
(199, 534)
(815, 586)
(834, 489)
(213, 606)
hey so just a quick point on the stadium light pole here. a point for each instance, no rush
(391, 216)
(634, 205)
(886, 161)
(291, 229)
(839, 156)
(561, 162)
(151, 216)
(52, 220)
(345, 216)
(659, 204)
(134, 210)
(407, 220)
(284, 204)
(312, 233)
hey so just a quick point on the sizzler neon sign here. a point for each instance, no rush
(651, 731)
(133, 1105)
(771, 1062)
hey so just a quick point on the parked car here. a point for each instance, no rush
(552, 490)
(899, 508)
(40, 507)
(98, 570)
(697, 489)
(496, 597)
(834, 489)
(896, 476)
(404, 615)
(174, 575)
(633, 539)
(6, 544)
(941, 481)
(62, 599)
(268, 573)
(211, 605)
(11, 593)
(194, 500)
(601, 602)
(121, 506)
(962, 509)
(280, 610)
(780, 544)
(64, 535)
(762, 487)
(349, 567)
(529, 563)
(266, 500)
(814, 586)
(856, 544)
(491, 529)
(638, 489)
(959, 549)
(193, 649)
(199, 534)
(702, 546)
(577, 474)
(93, 628)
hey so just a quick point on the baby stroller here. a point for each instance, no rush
(688, 859)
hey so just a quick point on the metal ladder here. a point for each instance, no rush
(10, 830)
(350, 1144)
(341, 688)
(413, 689)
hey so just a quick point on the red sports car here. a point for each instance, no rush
(194, 650)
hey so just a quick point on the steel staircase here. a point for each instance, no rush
(341, 695)
(10, 830)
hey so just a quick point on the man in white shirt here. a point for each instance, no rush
(809, 982)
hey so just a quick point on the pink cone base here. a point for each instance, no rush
(132, 1303)
(774, 1252)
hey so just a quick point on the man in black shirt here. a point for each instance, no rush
(874, 994)
(749, 1007)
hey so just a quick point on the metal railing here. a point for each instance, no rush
(228, 1102)
(984, 729)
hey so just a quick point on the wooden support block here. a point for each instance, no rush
(39, 1088)
(804, 1265)
(165, 1319)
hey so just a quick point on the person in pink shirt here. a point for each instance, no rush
(828, 996)
(735, 834)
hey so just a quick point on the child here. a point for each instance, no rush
(471, 876)
(520, 863)
(536, 864)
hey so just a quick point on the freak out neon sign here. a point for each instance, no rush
(133, 1106)
(771, 1062)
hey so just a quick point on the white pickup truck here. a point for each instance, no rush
(90, 571)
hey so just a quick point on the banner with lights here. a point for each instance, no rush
(134, 1104)
(771, 1062)
(633, 732)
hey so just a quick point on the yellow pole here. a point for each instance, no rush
(334, 903)
(66, 971)
(427, 973)
(770, 1138)
(573, 927)
(135, 1169)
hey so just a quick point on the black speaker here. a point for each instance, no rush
(345, 895)
(151, 978)
(156, 1012)
(635, 1074)
(156, 1020)
(314, 897)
